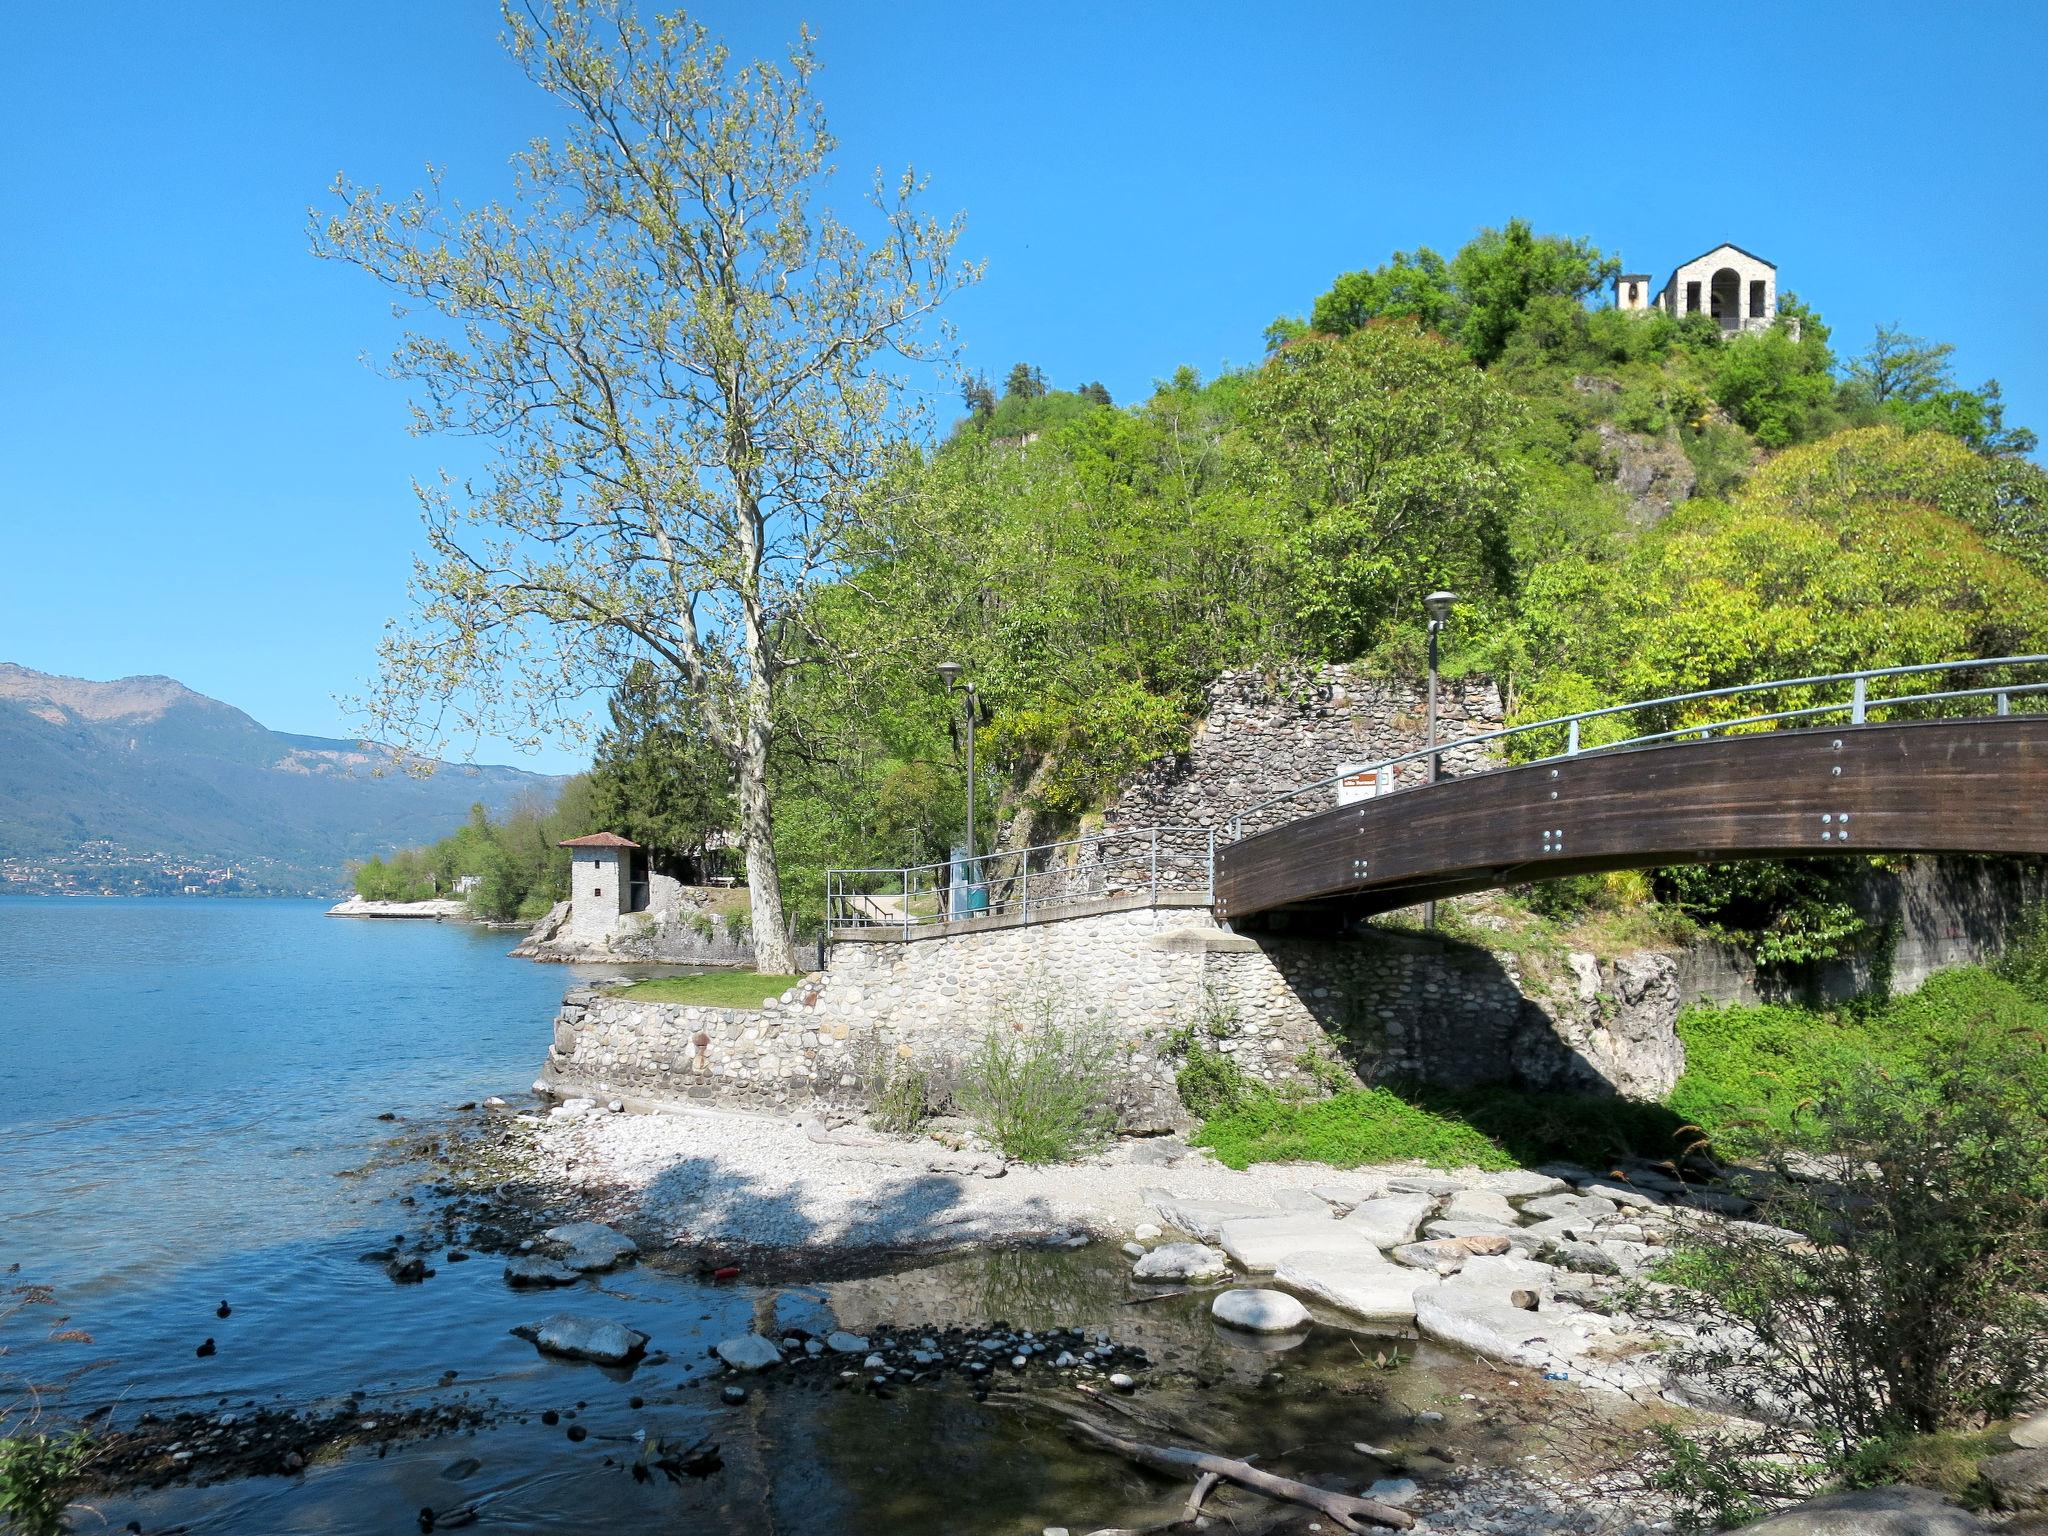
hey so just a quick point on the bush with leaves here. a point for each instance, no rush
(38, 1474)
(1910, 1300)
(1047, 1083)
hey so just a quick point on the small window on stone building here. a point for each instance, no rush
(1692, 298)
(597, 890)
(1756, 298)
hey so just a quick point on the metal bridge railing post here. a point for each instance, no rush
(1155, 866)
(2004, 702)
(1210, 891)
(1571, 745)
(1026, 883)
(1857, 702)
(906, 903)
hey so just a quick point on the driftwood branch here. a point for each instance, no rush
(1343, 1508)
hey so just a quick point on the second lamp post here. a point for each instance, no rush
(949, 673)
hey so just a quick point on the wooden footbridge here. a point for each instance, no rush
(1884, 761)
(1939, 770)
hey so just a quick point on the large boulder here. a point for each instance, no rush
(1390, 1220)
(1196, 1262)
(2031, 1434)
(1259, 1311)
(1898, 1511)
(1585, 1209)
(584, 1338)
(1358, 1281)
(2019, 1478)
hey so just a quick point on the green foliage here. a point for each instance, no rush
(1211, 1083)
(1781, 390)
(2024, 965)
(711, 989)
(1909, 380)
(38, 1475)
(406, 876)
(1911, 1306)
(1500, 274)
(1785, 912)
(1753, 1073)
(520, 871)
(1414, 288)
(1716, 1488)
(1045, 1083)
(1384, 457)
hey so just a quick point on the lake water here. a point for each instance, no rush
(191, 1116)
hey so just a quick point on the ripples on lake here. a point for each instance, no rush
(192, 1082)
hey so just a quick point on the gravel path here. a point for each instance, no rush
(766, 1182)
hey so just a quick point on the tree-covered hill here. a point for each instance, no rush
(1468, 422)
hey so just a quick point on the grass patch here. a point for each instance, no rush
(1752, 1077)
(711, 989)
(1365, 1125)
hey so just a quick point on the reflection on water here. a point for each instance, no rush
(195, 1083)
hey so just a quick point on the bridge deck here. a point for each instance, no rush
(1939, 786)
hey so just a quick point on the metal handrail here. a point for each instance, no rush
(1044, 879)
(1857, 706)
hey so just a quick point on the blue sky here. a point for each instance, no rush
(199, 476)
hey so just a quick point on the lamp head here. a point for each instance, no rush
(1438, 606)
(949, 672)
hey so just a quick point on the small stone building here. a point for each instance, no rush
(1737, 287)
(607, 879)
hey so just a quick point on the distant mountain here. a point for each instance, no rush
(147, 764)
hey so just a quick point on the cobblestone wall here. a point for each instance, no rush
(1265, 733)
(1305, 1015)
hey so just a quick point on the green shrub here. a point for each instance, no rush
(1045, 1084)
(37, 1476)
(2025, 961)
(1911, 1306)
(901, 1093)
(1212, 1084)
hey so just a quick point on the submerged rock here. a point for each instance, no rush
(530, 1269)
(584, 1338)
(1259, 1311)
(1258, 1243)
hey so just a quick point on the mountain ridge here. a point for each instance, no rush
(162, 771)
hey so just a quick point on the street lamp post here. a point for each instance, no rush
(949, 673)
(1438, 606)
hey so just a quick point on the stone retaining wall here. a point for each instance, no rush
(1306, 1015)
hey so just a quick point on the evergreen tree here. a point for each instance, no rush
(1024, 383)
(657, 777)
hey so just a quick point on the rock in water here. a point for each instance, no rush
(843, 1343)
(749, 1352)
(584, 1338)
(530, 1269)
(591, 1245)
(1259, 1311)
(1181, 1261)
(1389, 1220)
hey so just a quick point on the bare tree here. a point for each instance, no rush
(682, 364)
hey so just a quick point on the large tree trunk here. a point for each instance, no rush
(773, 953)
